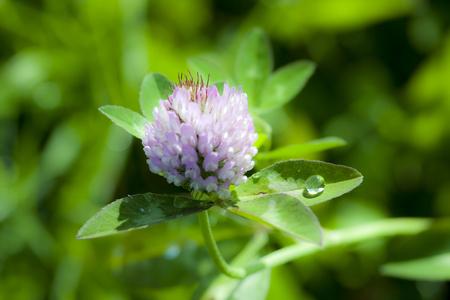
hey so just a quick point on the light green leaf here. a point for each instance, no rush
(283, 212)
(140, 211)
(254, 63)
(127, 119)
(205, 68)
(283, 85)
(296, 151)
(153, 88)
(253, 287)
(435, 267)
(219, 86)
(289, 177)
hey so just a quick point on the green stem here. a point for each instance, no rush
(213, 251)
(340, 237)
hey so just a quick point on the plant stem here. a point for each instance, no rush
(340, 237)
(213, 251)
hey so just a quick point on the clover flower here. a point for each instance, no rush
(200, 139)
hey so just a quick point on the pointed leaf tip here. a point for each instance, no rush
(129, 120)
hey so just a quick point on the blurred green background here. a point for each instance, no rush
(382, 83)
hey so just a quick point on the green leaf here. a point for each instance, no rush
(283, 85)
(283, 212)
(127, 119)
(205, 68)
(289, 177)
(253, 287)
(254, 63)
(435, 267)
(140, 211)
(296, 151)
(153, 88)
(219, 86)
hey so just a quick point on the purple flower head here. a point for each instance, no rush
(201, 139)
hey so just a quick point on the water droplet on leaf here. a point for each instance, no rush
(314, 186)
(142, 209)
(256, 175)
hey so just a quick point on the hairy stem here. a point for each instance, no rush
(213, 251)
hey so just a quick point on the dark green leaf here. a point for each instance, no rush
(289, 177)
(296, 151)
(127, 119)
(154, 88)
(435, 267)
(283, 212)
(140, 211)
(205, 68)
(283, 85)
(254, 63)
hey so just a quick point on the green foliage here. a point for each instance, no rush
(283, 212)
(140, 211)
(283, 85)
(254, 63)
(264, 130)
(155, 86)
(251, 287)
(297, 151)
(208, 69)
(433, 268)
(410, 260)
(127, 119)
(289, 177)
(60, 162)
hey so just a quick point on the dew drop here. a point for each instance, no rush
(142, 209)
(256, 175)
(315, 185)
